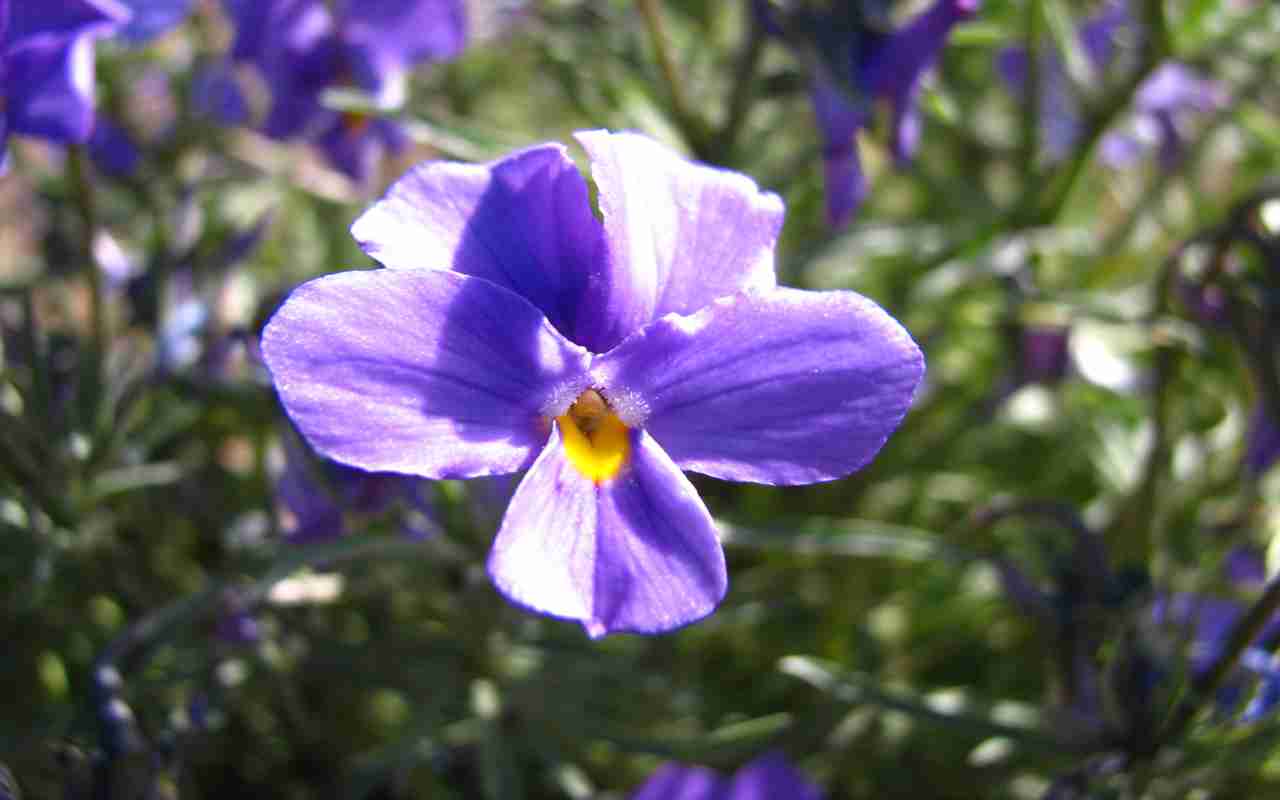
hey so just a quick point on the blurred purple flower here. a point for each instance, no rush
(46, 67)
(1207, 302)
(216, 94)
(1263, 447)
(1043, 353)
(1209, 621)
(238, 626)
(318, 496)
(1170, 91)
(603, 355)
(877, 66)
(1245, 566)
(153, 17)
(112, 150)
(769, 777)
(302, 48)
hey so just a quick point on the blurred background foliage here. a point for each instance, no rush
(982, 612)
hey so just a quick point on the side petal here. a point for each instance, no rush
(637, 553)
(426, 372)
(679, 234)
(781, 386)
(674, 781)
(50, 84)
(523, 222)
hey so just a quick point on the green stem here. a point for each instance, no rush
(690, 125)
(741, 96)
(86, 205)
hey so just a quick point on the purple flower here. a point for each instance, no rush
(516, 330)
(1263, 447)
(1170, 91)
(46, 67)
(216, 94)
(112, 150)
(302, 48)
(876, 67)
(769, 777)
(1044, 354)
(318, 497)
(1210, 621)
(153, 17)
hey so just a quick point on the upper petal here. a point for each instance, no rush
(404, 32)
(781, 386)
(523, 222)
(679, 234)
(635, 553)
(425, 372)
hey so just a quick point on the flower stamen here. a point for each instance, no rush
(597, 443)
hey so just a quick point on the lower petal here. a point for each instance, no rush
(636, 553)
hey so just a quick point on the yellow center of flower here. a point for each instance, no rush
(355, 123)
(597, 442)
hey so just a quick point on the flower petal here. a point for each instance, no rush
(771, 776)
(674, 781)
(424, 372)
(404, 32)
(897, 64)
(636, 553)
(679, 235)
(523, 222)
(50, 85)
(65, 18)
(781, 386)
(839, 119)
(153, 17)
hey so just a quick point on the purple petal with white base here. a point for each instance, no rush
(679, 235)
(635, 553)
(423, 372)
(523, 222)
(781, 386)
